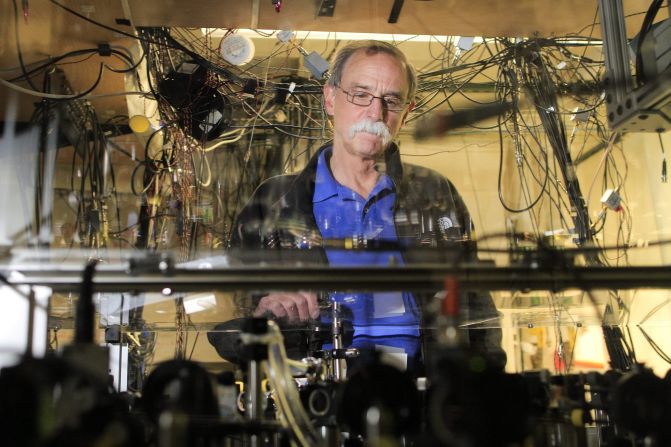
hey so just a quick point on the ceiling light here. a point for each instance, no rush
(329, 35)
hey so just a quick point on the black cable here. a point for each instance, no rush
(554, 127)
(52, 61)
(85, 92)
(417, 115)
(132, 65)
(664, 356)
(18, 47)
(193, 348)
(85, 318)
(661, 145)
(500, 174)
(147, 55)
(646, 25)
(132, 178)
(547, 109)
(101, 25)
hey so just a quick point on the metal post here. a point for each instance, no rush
(254, 393)
(339, 363)
(255, 353)
(616, 49)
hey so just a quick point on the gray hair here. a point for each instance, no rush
(372, 47)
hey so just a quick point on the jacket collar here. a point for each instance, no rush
(304, 184)
(297, 202)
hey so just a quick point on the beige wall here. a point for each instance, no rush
(470, 160)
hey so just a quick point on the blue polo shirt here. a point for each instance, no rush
(381, 320)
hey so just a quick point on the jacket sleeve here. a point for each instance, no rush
(256, 220)
(243, 234)
(479, 313)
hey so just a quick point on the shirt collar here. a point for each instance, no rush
(326, 185)
(384, 182)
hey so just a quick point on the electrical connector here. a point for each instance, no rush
(465, 43)
(664, 178)
(252, 86)
(285, 36)
(104, 49)
(282, 93)
(580, 116)
(187, 68)
(611, 199)
(317, 65)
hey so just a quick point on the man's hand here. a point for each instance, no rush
(294, 306)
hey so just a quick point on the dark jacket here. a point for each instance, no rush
(428, 212)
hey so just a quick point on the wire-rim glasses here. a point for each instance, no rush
(390, 102)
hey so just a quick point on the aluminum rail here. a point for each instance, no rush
(415, 278)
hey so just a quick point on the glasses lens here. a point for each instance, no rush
(361, 98)
(394, 104)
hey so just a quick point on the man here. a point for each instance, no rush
(356, 189)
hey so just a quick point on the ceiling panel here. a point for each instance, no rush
(50, 30)
(440, 17)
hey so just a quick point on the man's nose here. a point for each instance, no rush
(377, 109)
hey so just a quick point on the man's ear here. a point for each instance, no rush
(410, 108)
(329, 98)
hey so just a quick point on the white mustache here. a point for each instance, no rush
(373, 127)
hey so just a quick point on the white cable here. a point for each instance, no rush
(27, 66)
(217, 144)
(203, 161)
(56, 96)
(292, 412)
(36, 93)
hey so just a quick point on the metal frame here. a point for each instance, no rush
(416, 278)
(629, 109)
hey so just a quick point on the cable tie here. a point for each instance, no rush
(104, 49)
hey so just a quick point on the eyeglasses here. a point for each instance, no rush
(364, 99)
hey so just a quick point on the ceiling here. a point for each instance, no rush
(50, 30)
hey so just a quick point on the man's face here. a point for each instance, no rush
(380, 75)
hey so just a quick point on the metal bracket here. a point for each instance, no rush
(127, 14)
(395, 11)
(326, 8)
(642, 109)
